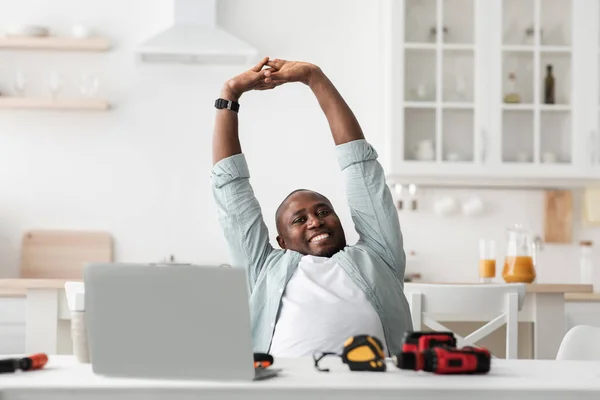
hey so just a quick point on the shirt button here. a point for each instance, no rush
(272, 324)
(280, 290)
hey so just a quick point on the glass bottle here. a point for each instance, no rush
(512, 96)
(585, 263)
(549, 86)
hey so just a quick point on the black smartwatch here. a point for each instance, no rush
(227, 104)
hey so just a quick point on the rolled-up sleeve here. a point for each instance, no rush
(229, 169)
(371, 204)
(240, 215)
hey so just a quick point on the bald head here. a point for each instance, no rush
(307, 223)
(290, 197)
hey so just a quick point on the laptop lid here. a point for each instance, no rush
(182, 321)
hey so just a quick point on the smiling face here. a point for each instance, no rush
(307, 223)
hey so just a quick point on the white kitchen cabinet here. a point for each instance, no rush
(582, 313)
(593, 100)
(12, 338)
(447, 117)
(12, 325)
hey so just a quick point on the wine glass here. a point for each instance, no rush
(20, 83)
(88, 84)
(56, 82)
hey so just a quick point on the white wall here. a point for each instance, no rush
(141, 171)
(447, 247)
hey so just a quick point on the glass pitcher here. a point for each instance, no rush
(519, 263)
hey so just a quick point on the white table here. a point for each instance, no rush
(64, 378)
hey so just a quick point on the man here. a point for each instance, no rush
(316, 291)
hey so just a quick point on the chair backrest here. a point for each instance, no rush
(61, 254)
(476, 299)
(497, 303)
(581, 342)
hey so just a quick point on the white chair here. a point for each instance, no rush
(497, 303)
(581, 342)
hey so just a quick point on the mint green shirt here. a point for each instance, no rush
(376, 263)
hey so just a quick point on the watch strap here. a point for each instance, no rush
(227, 104)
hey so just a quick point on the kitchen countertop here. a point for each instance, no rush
(559, 288)
(572, 291)
(17, 287)
(582, 296)
(533, 287)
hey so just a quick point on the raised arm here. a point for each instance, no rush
(226, 141)
(369, 198)
(342, 122)
(239, 212)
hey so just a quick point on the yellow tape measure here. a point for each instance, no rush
(361, 353)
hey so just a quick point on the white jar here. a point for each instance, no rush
(79, 331)
(586, 270)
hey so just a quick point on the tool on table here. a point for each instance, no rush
(419, 341)
(35, 361)
(361, 353)
(446, 360)
(262, 360)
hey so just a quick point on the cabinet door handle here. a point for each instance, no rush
(483, 145)
(596, 147)
(593, 147)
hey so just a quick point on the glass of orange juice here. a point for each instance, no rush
(487, 260)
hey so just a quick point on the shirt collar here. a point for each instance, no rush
(315, 259)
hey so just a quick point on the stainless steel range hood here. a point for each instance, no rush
(196, 38)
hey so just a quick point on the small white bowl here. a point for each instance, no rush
(27, 30)
(80, 31)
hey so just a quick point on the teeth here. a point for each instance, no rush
(319, 237)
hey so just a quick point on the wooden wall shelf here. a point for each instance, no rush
(54, 43)
(49, 104)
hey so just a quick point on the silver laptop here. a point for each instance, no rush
(169, 322)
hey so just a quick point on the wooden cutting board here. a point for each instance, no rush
(61, 254)
(558, 216)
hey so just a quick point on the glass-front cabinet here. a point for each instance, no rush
(593, 128)
(484, 89)
(431, 82)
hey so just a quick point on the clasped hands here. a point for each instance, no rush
(268, 74)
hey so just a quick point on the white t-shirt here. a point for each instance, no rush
(321, 308)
